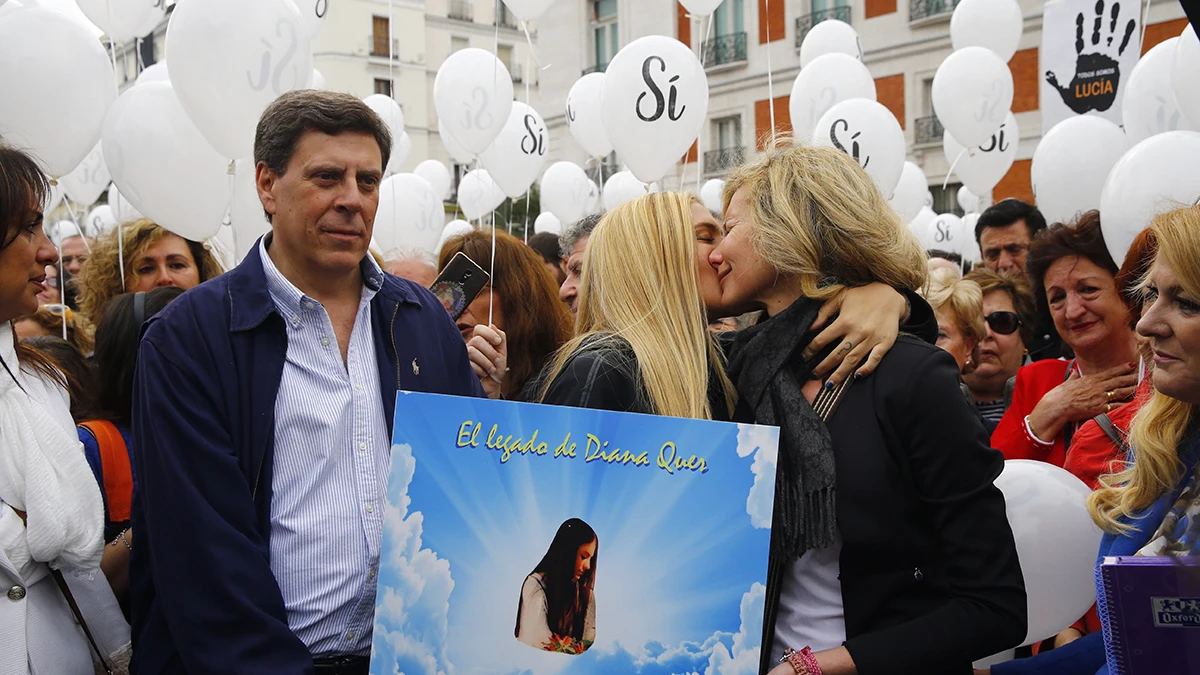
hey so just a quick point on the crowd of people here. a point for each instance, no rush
(238, 421)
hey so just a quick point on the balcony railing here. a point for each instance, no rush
(721, 161)
(928, 130)
(517, 72)
(598, 68)
(460, 10)
(919, 10)
(505, 19)
(806, 22)
(724, 49)
(378, 45)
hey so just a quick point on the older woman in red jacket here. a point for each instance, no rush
(1074, 279)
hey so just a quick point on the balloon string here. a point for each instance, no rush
(391, 57)
(1145, 16)
(75, 219)
(532, 49)
(770, 72)
(528, 193)
(956, 159)
(121, 248)
(479, 163)
(700, 138)
(232, 171)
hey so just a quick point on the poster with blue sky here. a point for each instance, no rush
(537, 540)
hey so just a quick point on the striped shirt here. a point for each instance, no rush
(332, 457)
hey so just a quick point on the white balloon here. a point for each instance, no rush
(1185, 73)
(223, 246)
(89, 180)
(909, 196)
(153, 21)
(972, 94)
(712, 194)
(473, 93)
(655, 102)
(1056, 543)
(438, 176)
(967, 200)
(454, 228)
(528, 10)
(1071, 164)
(870, 134)
(314, 13)
(246, 215)
(945, 233)
(566, 192)
(393, 118)
(63, 229)
(57, 83)
(318, 80)
(478, 194)
(1148, 106)
(100, 220)
(622, 187)
(122, 210)
(971, 253)
(264, 52)
(409, 214)
(54, 198)
(518, 154)
(458, 153)
(401, 149)
(583, 115)
(121, 20)
(700, 7)
(982, 167)
(991, 24)
(1156, 176)
(156, 72)
(822, 84)
(919, 224)
(830, 36)
(547, 222)
(162, 163)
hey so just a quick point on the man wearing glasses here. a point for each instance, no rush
(1004, 232)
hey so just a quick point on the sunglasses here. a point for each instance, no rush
(1004, 323)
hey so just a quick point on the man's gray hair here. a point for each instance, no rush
(410, 253)
(581, 229)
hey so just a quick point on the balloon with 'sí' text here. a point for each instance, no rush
(518, 154)
(583, 115)
(473, 94)
(870, 134)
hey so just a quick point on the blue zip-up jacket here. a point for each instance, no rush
(204, 599)
(1086, 656)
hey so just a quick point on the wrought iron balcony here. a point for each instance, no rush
(378, 45)
(460, 10)
(598, 68)
(919, 10)
(721, 161)
(928, 130)
(806, 22)
(724, 49)
(506, 19)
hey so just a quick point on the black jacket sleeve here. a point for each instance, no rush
(953, 471)
(604, 379)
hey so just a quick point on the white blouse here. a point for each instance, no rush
(534, 628)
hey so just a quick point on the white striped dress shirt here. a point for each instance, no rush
(332, 457)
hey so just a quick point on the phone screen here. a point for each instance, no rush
(458, 284)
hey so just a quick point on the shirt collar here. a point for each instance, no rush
(290, 299)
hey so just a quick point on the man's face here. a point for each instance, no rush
(74, 252)
(323, 207)
(569, 292)
(1005, 248)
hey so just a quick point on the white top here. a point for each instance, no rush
(331, 464)
(534, 628)
(810, 603)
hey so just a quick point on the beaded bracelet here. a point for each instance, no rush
(803, 661)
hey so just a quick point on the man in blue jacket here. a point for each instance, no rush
(262, 418)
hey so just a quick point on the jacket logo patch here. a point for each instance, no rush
(416, 367)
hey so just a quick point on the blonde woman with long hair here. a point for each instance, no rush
(891, 551)
(641, 343)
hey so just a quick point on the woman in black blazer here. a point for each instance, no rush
(891, 551)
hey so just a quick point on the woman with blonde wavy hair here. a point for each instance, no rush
(151, 255)
(1152, 506)
(891, 550)
(641, 339)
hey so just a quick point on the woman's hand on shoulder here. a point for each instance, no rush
(488, 351)
(867, 324)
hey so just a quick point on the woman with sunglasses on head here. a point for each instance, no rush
(1008, 315)
(51, 519)
(1074, 280)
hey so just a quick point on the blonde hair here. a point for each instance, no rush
(818, 216)
(1159, 427)
(80, 332)
(100, 278)
(965, 299)
(639, 284)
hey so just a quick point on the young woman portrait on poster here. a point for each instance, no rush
(557, 609)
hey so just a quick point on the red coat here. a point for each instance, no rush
(1011, 435)
(1092, 451)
